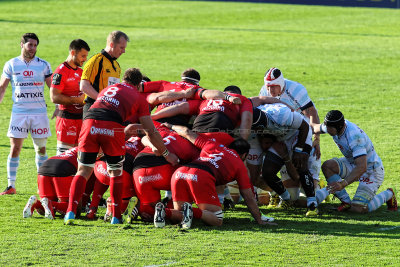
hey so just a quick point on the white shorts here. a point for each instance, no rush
(256, 154)
(369, 182)
(21, 124)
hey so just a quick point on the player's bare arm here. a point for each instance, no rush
(184, 132)
(215, 94)
(88, 89)
(261, 100)
(3, 86)
(168, 96)
(58, 98)
(312, 113)
(245, 124)
(251, 204)
(156, 139)
(182, 108)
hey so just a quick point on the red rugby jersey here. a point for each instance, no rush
(176, 144)
(67, 79)
(120, 98)
(233, 111)
(224, 162)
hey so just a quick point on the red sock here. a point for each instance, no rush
(60, 207)
(168, 213)
(38, 207)
(124, 204)
(197, 213)
(88, 190)
(98, 192)
(75, 193)
(116, 187)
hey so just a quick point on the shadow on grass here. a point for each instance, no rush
(378, 224)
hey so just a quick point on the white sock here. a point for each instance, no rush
(321, 194)
(12, 167)
(39, 160)
(379, 199)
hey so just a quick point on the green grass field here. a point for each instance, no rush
(346, 57)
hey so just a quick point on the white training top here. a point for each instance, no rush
(27, 81)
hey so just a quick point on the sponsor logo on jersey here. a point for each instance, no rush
(18, 129)
(100, 169)
(40, 131)
(29, 95)
(72, 131)
(28, 73)
(149, 178)
(102, 131)
(213, 158)
(28, 84)
(56, 79)
(110, 100)
(186, 176)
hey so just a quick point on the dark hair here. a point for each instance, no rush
(334, 118)
(240, 145)
(233, 89)
(115, 36)
(265, 135)
(191, 76)
(133, 76)
(78, 45)
(146, 79)
(29, 35)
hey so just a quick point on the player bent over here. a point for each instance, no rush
(360, 162)
(152, 173)
(54, 181)
(197, 181)
(103, 128)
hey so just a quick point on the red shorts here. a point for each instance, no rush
(149, 181)
(68, 130)
(54, 187)
(100, 171)
(219, 137)
(194, 185)
(108, 135)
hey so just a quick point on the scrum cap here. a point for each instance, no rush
(274, 77)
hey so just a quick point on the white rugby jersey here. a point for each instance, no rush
(354, 143)
(294, 95)
(282, 122)
(27, 81)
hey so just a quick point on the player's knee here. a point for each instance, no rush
(329, 166)
(40, 146)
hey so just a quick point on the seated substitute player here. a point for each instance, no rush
(133, 147)
(65, 92)
(360, 163)
(291, 128)
(54, 181)
(103, 128)
(197, 180)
